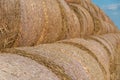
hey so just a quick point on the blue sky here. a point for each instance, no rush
(111, 8)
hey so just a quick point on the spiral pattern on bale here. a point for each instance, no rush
(70, 39)
(32, 22)
(73, 59)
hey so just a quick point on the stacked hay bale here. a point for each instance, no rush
(111, 44)
(91, 54)
(75, 59)
(102, 23)
(15, 67)
(32, 22)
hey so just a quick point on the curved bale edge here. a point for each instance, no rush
(30, 22)
(94, 49)
(110, 42)
(71, 59)
(16, 67)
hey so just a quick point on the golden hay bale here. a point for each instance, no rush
(110, 43)
(91, 58)
(81, 57)
(96, 11)
(60, 64)
(101, 23)
(95, 50)
(15, 67)
(30, 22)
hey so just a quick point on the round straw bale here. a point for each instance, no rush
(15, 67)
(96, 50)
(70, 58)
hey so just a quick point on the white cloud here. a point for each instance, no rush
(112, 6)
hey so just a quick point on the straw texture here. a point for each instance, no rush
(57, 40)
(33, 22)
(72, 59)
